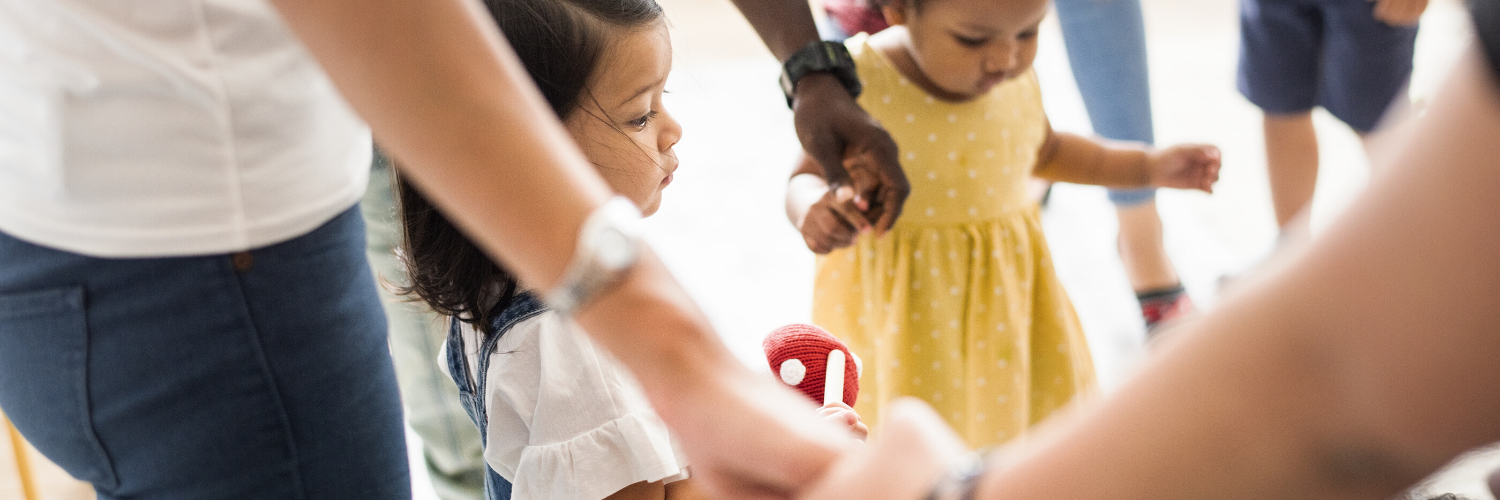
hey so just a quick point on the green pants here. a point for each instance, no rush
(450, 443)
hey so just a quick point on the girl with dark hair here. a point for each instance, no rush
(561, 419)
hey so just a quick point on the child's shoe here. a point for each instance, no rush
(1163, 305)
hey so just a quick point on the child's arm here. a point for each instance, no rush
(1399, 12)
(820, 215)
(1073, 158)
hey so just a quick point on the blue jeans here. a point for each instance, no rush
(1106, 42)
(262, 374)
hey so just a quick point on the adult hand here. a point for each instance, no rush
(1399, 12)
(851, 147)
(749, 436)
(912, 451)
(1186, 166)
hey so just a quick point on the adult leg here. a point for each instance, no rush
(258, 375)
(450, 443)
(1291, 165)
(1368, 70)
(1106, 44)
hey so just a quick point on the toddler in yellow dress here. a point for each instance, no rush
(958, 304)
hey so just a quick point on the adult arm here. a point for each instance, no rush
(853, 149)
(1353, 370)
(448, 98)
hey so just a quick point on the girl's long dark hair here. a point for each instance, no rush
(560, 42)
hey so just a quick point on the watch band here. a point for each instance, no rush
(609, 245)
(960, 480)
(820, 56)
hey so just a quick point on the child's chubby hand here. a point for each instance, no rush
(842, 414)
(1185, 166)
(833, 222)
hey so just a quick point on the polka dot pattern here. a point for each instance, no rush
(960, 305)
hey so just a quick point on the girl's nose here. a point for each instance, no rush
(1001, 58)
(671, 131)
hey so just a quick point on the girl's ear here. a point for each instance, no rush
(894, 12)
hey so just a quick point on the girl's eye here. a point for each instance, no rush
(641, 122)
(970, 42)
(1026, 35)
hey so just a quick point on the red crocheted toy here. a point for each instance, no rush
(802, 355)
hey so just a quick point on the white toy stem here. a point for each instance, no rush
(833, 383)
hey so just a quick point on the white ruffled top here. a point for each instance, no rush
(566, 420)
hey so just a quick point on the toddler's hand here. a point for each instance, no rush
(1399, 12)
(827, 226)
(1185, 166)
(842, 415)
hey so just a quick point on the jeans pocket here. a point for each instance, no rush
(44, 378)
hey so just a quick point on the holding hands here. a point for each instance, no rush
(830, 217)
(853, 151)
(1185, 166)
(832, 222)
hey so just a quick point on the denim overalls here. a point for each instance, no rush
(471, 385)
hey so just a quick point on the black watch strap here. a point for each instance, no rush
(820, 56)
(1486, 14)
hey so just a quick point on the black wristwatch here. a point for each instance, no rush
(817, 57)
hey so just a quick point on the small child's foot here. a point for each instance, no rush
(1163, 305)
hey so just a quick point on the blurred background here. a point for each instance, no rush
(723, 231)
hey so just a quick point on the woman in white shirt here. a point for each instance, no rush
(185, 306)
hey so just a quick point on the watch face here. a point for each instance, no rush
(615, 251)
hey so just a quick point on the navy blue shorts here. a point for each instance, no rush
(1298, 54)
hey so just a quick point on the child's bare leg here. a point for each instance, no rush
(1291, 163)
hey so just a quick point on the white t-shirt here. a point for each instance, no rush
(167, 127)
(566, 420)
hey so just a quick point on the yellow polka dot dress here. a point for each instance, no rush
(958, 304)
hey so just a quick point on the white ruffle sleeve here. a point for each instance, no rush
(566, 420)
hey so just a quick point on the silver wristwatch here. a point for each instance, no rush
(609, 244)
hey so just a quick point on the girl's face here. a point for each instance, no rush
(620, 123)
(966, 47)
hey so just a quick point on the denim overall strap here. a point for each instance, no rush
(471, 386)
(458, 370)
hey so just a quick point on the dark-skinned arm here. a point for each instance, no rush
(834, 131)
